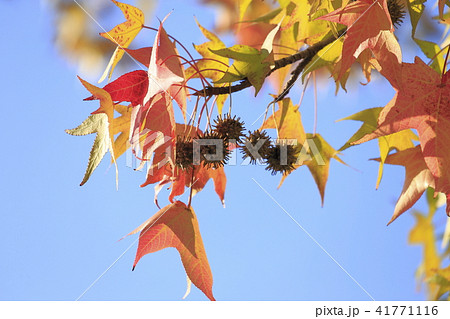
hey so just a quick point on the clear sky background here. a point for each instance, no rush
(57, 238)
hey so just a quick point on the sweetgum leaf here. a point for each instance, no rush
(123, 34)
(176, 226)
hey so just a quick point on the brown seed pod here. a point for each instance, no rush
(207, 144)
(256, 139)
(281, 158)
(184, 153)
(396, 11)
(229, 128)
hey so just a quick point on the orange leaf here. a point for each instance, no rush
(176, 226)
(422, 102)
(369, 26)
(417, 178)
(165, 72)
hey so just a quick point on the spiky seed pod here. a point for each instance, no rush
(229, 128)
(251, 140)
(274, 158)
(209, 148)
(184, 152)
(396, 11)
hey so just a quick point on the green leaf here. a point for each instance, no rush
(248, 63)
(369, 117)
(399, 140)
(415, 8)
(432, 51)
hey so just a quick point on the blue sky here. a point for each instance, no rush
(58, 237)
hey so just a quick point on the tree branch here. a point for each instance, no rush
(305, 55)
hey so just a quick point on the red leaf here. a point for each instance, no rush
(141, 55)
(176, 226)
(153, 125)
(130, 87)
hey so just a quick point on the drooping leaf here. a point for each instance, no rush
(422, 102)
(152, 126)
(102, 125)
(121, 126)
(368, 26)
(319, 165)
(176, 226)
(130, 87)
(96, 123)
(287, 121)
(417, 178)
(123, 34)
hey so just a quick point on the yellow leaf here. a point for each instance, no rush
(212, 66)
(123, 34)
(319, 167)
(423, 234)
(287, 121)
(101, 122)
(399, 141)
(121, 125)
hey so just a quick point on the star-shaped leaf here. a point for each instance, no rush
(130, 87)
(165, 72)
(319, 166)
(422, 102)
(176, 226)
(96, 123)
(101, 122)
(123, 34)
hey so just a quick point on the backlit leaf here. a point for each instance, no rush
(176, 226)
(123, 34)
